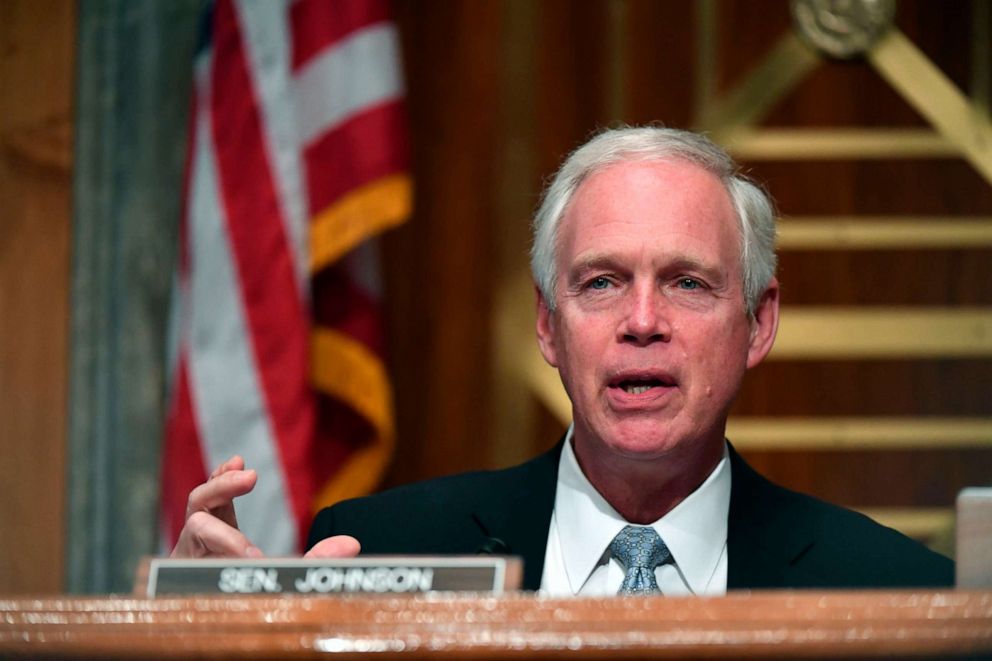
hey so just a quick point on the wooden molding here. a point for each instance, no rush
(808, 624)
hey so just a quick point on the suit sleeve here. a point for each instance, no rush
(322, 527)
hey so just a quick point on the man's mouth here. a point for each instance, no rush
(636, 388)
(638, 385)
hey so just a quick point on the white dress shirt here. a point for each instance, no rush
(578, 561)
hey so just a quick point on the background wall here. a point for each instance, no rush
(37, 50)
(880, 393)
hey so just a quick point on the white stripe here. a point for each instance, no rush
(224, 383)
(359, 71)
(267, 39)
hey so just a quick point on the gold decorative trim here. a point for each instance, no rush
(981, 56)
(813, 333)
(927, 523)
(837, 144)
(704, 90)
(782, 69)
(858, 433)
(933, 95)
(876, 232)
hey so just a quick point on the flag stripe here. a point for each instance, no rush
(342, 303)
(266, 41)
(183, 468)
(318, 24)
(369, 146)
(273, 303)
(224, 382)
(341, 432)
(342, 81)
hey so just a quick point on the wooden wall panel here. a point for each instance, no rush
(36, 65)
(887, 277)
(938, 387)
(911, 478)
(438, 267)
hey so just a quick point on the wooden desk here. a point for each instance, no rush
(894, 624)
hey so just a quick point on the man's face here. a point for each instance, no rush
(650, 335)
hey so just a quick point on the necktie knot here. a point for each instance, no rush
(640, 550)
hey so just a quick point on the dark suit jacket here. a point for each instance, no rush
(776, 538)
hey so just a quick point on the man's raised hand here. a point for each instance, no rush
(211, 528)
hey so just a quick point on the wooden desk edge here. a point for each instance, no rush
(832, 624)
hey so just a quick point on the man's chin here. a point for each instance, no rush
(645, 442)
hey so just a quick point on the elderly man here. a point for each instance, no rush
(655, 270)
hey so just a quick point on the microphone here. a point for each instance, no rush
(493, 546)
(490, 545)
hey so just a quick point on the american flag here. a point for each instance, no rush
(297, 158)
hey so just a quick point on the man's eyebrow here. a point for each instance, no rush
(686, 263)
(678, 262)
(591, 263)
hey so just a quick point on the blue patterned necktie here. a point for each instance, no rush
(640, 550)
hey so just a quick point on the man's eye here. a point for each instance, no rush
(599, 283)
(689, 283)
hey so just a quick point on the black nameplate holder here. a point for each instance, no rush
(366, 575)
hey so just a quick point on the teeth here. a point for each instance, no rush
(636, 390)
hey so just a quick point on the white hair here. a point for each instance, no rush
(754, 208)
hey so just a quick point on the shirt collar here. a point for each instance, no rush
(695, 531)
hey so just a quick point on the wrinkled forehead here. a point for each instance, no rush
(678, 190)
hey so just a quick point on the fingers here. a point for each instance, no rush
(217, 494)
(339, 546)
(211, 528)
(234, 463)
(206, 536)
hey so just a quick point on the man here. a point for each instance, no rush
(654, 264)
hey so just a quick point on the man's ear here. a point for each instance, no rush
(764, 325)
(546, 329)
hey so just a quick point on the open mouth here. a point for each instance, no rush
(640, 384)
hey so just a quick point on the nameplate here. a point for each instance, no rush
(367, 575)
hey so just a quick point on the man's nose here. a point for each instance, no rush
(646, 318)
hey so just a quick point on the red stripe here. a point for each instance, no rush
(340, 431)
(183, 467)
(341, 303)
(278, 324)
(367, 147)
(317, 24)
(182, 462)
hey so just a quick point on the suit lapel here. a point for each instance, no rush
(764, 545)
(519, 512)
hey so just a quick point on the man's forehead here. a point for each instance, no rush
(656, 168)
(632, 189)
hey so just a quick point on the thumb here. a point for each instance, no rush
(339, 546)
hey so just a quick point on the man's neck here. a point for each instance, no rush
(644, 490)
